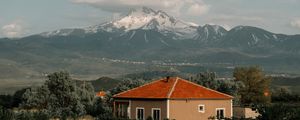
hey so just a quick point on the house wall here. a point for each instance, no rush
(148, 105)
(249, 113)
(188, 109)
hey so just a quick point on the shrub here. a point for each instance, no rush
(6, 114)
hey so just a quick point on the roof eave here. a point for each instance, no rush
(139, 98)
(229, 98)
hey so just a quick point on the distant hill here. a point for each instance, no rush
(104, 83)
(151, 75)
(292, 84)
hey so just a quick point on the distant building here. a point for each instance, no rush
(172, 98)
(101, 94)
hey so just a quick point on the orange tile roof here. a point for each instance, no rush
(100, 94)
(175, 88)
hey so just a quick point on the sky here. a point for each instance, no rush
(19, 18)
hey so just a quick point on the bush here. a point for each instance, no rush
(98, 108)
(109, 117)
(149, 118)
(27, 115)
(279, 112)
(283, 95)
(60, 96)
(6, 114)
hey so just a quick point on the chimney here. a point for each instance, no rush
(167, 79)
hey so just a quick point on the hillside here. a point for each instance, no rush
(143, 40)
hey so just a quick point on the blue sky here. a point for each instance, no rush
(25, 17)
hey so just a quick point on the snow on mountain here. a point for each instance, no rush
(255, 38)
(148, 19)
(61, 32)
(218, 30)
(135, 19)
(145, 19)
(147, 24)
(210, 33)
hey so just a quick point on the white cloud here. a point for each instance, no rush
(198, 9)
(295, 23)
(12, 30)
(124, 5)
(237, 18)
(192, 7)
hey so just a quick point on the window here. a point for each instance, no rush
(121, 109)
(201, 108)
(140, 113)
(220, 113)
(156, 113)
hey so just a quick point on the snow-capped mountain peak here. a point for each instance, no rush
(140, 18)
(146, 18)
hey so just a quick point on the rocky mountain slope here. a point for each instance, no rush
(150, 37)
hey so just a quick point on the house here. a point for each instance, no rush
(172, 98)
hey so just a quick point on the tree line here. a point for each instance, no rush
(63, 98)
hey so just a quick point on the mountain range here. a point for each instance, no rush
(143, 38)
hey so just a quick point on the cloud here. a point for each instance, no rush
(192, 7)
(124, 5)
(237, 18)
(295, 23)
(198, 9)
(12, 30)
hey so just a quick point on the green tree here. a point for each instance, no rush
(28, 115)
(86, 93)
(63, 97)
(5, 101)
(209, 80)
(284, 95)
(60, 96)
(229, 87)
(97, 108)
(278, 112)
(6, 114)
(37, 98)
(17, 97)
(206, 79)
(255, 85)
(122, 86)
(126, 85)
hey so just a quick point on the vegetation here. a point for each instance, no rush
(292, 83)
(283, 95)
(10, 101)
(209, 80)
(255, 85)
(150, 75)
(123, 86)
(278, 112)
(104, 83)
(6, 114)
(62, 97)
